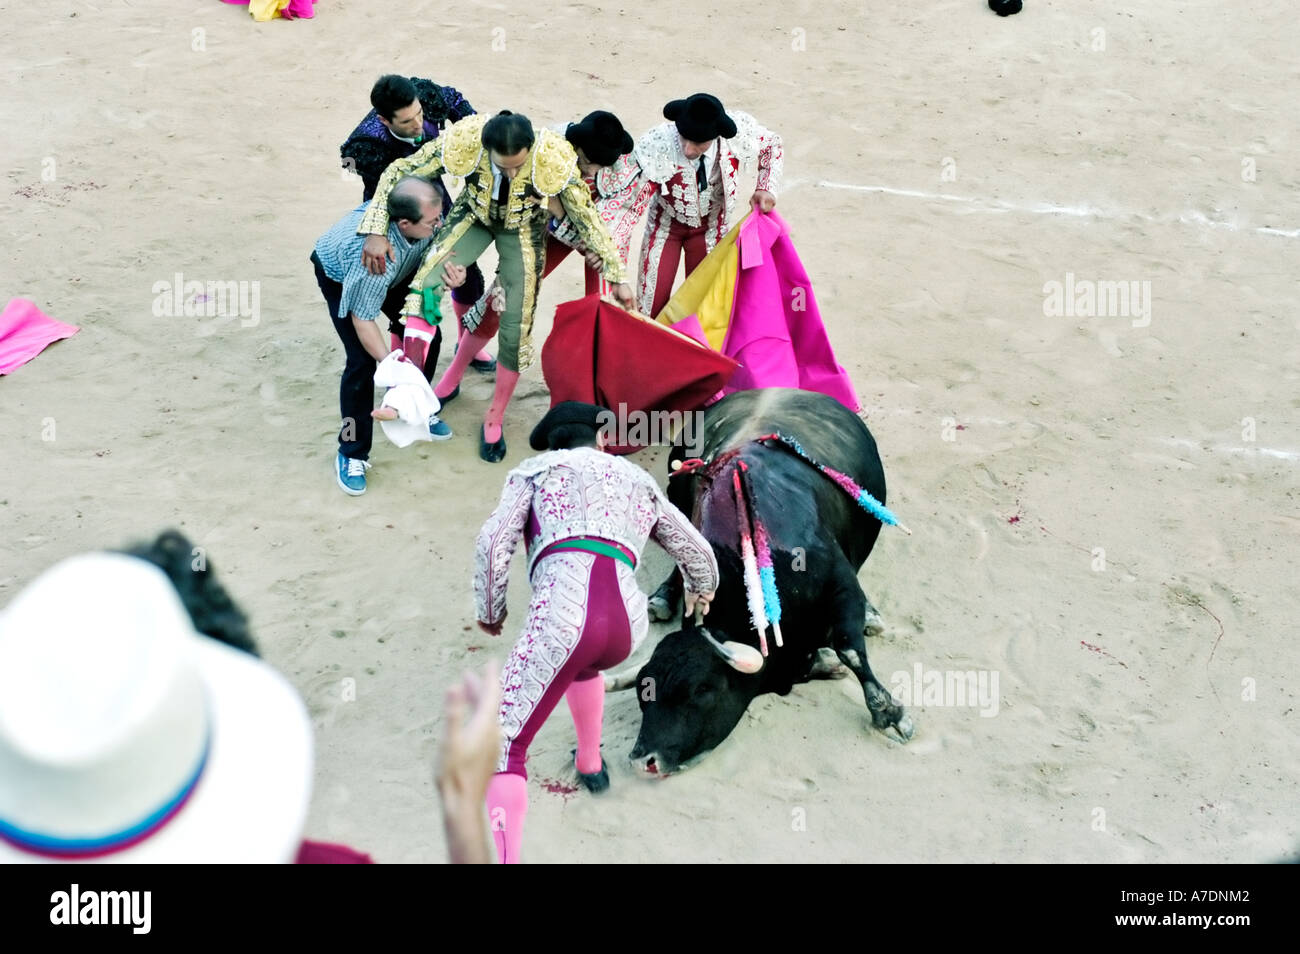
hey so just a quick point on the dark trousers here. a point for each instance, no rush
(357, 386)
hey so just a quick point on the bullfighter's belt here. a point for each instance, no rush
(592, 545)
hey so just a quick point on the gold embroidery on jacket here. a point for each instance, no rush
(554, 163)
(462, 150)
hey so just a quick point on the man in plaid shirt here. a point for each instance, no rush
(356, 299)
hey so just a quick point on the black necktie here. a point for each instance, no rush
(503, 193)
(701, 177)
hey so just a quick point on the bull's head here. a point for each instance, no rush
(692, 693)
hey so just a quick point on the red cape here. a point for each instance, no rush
(600, 354)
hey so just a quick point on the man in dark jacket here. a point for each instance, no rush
(407, 113)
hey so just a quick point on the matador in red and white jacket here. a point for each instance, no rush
(689, 167)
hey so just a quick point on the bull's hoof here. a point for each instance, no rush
(905, 728)
(886, 713)
(659, 608)
(875, 625)
(894, 718)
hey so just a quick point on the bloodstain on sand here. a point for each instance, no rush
(556, 787)
(1101, 652)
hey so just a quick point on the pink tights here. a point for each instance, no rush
(606, 641)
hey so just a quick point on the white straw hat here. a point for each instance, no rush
(126, 736)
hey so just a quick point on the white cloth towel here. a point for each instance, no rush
(410, 395)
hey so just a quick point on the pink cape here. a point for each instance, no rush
(25, 331)
(296, 10)
(776, 331)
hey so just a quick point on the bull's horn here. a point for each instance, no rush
(621, 681)
(739, 657)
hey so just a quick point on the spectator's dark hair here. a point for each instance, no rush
(507, 133)
(211, 609)
(391, 93)
(566, 436)
(405, 201)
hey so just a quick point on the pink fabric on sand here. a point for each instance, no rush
(296, 10)
(25, 331)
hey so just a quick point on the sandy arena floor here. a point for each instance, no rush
(1104, 505)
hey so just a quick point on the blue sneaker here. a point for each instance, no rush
(438, 429)
(351, 475)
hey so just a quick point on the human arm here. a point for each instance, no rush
(467, 756)
(581, 214)
(596, 241)
(494, 548)
(425, 161)
(624, 211)
(620, 211)
(363, 295)
(755, 142)
(371, 337)
(686, 545)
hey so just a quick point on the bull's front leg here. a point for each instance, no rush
(681, 494)
(850, 645)
(663, 604)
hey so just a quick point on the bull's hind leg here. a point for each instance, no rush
(850, 645)
(875, 624)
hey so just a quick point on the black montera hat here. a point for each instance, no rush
(700, 118)
(566, 412)
(601, 136)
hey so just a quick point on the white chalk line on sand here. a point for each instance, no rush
(975, 204)
(1229, 449)
(868, 413)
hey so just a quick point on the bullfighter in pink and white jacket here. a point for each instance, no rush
(585, 516)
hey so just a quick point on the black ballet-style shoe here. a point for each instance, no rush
(483, 366)
(450, 397)
(492, 453)
(596, 782)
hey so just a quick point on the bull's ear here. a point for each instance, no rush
(738, 656)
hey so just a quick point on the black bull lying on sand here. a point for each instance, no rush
(691, 697)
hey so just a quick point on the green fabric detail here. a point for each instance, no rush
(432, 304)
(595, 546)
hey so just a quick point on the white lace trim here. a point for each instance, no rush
(659, 153)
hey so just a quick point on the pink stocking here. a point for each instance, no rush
(507, 804)
(463, 332)
(586, 699)
(506, 381)
(451, 379)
